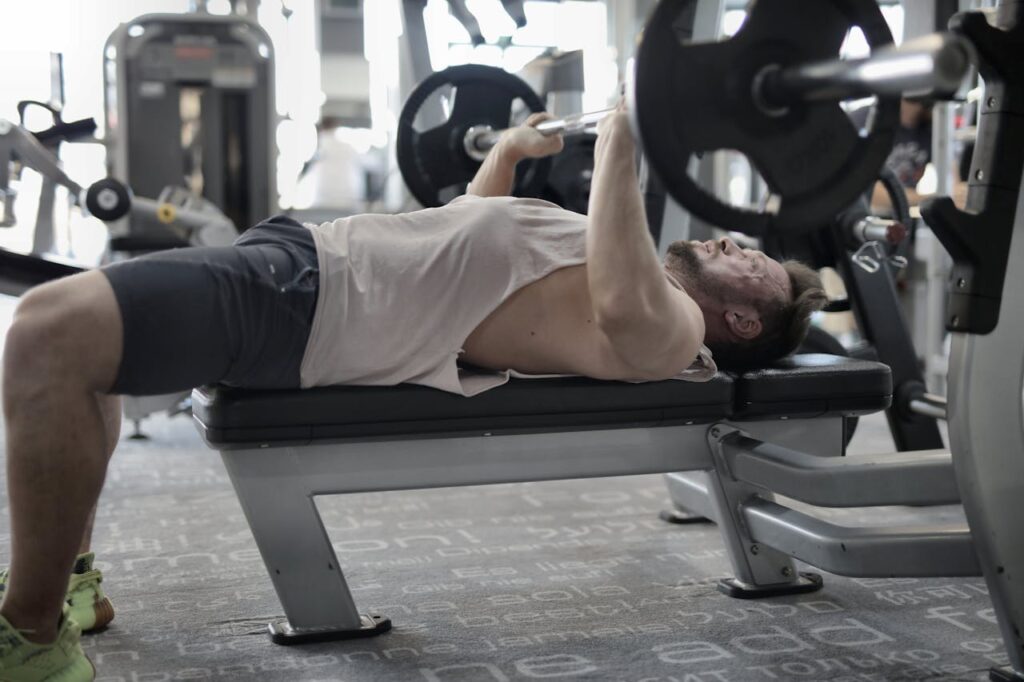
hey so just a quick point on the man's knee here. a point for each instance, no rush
(68, 331)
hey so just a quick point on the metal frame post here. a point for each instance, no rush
(760, 570)
(986, 428)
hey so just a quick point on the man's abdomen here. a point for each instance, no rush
(547, 327)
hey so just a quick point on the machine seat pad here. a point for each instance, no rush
(811, 385)
(226, 415)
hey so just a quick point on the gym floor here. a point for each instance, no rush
(562, 579)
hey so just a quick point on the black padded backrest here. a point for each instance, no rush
(227, 415)
(813, 385)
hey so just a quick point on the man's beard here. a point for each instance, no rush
(686, 266)
(683, 262)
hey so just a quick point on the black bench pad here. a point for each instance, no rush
(813, 385)
(227, 415)
(802, 386)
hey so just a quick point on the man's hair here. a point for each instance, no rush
(784, 324)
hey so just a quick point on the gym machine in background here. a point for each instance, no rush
(195, 91)
(191, 152)
(192, 219)
(189, 101)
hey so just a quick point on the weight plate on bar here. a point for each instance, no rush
(434, 162)
(689, 98)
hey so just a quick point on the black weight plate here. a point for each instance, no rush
(435, 160)
(571, 172)
(108, 199)
(690, 98)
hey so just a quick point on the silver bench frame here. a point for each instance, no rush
(277, 487)
(741, 464)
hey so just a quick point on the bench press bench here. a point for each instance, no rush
(283, 448)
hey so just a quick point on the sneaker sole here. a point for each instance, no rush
(81, 670)
(103, 613)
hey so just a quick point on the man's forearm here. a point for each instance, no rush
(622, 264)
(497, 175)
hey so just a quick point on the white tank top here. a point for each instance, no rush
(400, 294)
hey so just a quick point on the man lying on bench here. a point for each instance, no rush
(455, 297)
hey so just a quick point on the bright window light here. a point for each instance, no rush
(929, 181)
(362, 140)
(894, 16)
(732, 20)
(40, 25)
(565, 26)
(739, 191)
(219, 7)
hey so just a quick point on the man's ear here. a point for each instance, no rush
(743, 322)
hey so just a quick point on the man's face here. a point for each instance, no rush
(723, 272)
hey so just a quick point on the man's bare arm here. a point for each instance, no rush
(653, 327)
(497, 175)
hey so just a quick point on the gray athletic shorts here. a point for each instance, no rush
(238, 315)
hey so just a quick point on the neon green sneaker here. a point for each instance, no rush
(89, 607)
(61, 661)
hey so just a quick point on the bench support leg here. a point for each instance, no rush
(760, 570)
(689, 494)
(689, 490)
(276, 496)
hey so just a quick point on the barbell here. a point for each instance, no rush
(771, 92)
(933, 64)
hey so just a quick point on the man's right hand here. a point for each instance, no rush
(497, 174)
(526, 142)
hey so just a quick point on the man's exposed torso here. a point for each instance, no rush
(434, 296)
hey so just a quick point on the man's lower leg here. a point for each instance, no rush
(110, 407)
(57, 441)
(55, 469)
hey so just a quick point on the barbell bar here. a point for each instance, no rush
(480, 139)
(933, 65)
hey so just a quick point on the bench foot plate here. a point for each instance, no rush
(681, 517)
(281, 632)
(808, 582)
